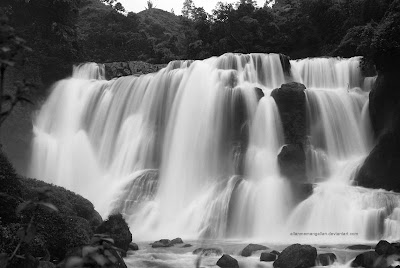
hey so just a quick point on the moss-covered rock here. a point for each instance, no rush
(56, 231)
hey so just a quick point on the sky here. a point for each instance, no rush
(139, 5)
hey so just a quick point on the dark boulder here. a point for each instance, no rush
(187, 246)
(162, 243)
(325, 259)
(208, 251)
(266, 256)
(297, 256)
(226, 261)
(292, 162)
(250, 248)
(381, 168)
(291, 101)
(385, 248)
(359, 247)
(176, 241)
(117, 228)
(369, 259)
(133, 246)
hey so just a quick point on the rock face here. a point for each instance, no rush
(117, 228)
(382, 166)
(292, 162)
(325, 259)
(250, 248)
(118, 69)
(226, 261)
(291, 101)
(369, 259)
(297, 256)
(266, 256)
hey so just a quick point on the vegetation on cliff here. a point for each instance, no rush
(65, 32)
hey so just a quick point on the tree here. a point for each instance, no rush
(187, 8)
(119, 7)
(150, 4)
(10, 47)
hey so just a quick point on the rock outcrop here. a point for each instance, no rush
(291, 101)
(381, 168)
(118, 69)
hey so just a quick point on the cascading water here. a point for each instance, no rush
(191, 151)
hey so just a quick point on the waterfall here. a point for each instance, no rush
(191, 151)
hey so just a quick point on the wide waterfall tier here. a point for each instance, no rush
(191, 151)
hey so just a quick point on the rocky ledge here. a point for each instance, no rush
(124, 68)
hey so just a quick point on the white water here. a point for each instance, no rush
(191, 151)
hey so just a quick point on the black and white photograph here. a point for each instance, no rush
(199, 133)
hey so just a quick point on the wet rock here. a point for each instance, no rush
(118, 69)
(163, 243)
(291, 101)
(369, 259)
(359, 247)
(207, 251)
(133, 246)
(187, 246)
(325, 259)
(250, 248)
(385, 248)
(381, 168)
(259, 93)
(226, 261)
(292, 162)
(266, 256)
(277, 253)
(176, 241)
(297, 256)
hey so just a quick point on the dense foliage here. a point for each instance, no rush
(70, 31)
